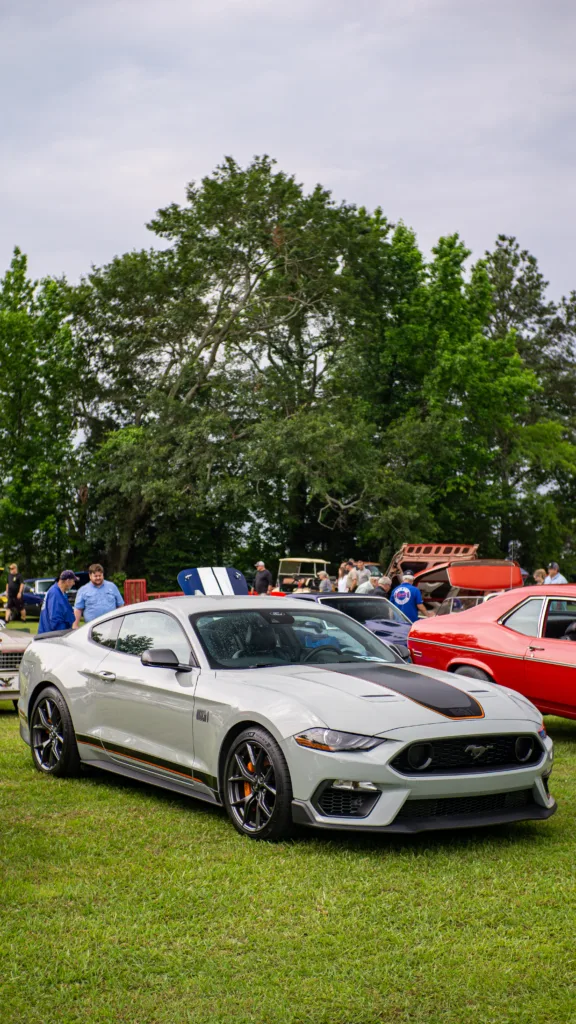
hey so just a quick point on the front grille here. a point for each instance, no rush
(11, 660)
(342, 803)
(463, 755)
(447, 807)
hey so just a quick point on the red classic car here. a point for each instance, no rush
(520, 638)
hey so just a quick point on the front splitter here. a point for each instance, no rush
(302, 815)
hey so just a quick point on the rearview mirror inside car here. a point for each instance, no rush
(160, 657)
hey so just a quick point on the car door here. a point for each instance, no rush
(143, 713)
(551, 661)
(517, 633)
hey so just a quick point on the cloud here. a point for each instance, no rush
(450, 116)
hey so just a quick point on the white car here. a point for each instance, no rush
(282, 713)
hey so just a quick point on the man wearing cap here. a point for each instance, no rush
(408, 598)
(263, 581)
(554, 574)
(96, 597)
(56, 611)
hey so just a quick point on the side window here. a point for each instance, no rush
(525, 619)
(143, 630)
(106, 633)
(561, 615)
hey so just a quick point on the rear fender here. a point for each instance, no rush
(458, 661)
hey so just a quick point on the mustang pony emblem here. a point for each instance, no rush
(477, 751)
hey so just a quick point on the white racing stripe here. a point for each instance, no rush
(209, 582)
(223, 578)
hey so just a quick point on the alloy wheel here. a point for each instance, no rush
(47, 735)
(251, 786)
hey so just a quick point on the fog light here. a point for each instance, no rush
(524, 748)
(420, 756)
(350, 784)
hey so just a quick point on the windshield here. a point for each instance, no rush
(366, 609)
(43, 586)
(258, 639)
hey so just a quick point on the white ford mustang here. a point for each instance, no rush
(283, 713)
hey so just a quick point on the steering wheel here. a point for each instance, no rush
(333, 654)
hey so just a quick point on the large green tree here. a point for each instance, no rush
(39, 382)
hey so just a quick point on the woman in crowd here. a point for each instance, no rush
(343, 578)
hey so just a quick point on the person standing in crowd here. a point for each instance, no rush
(96, 597)
(539, 575)
(325, 586)
(408, 598)
(554, 574)
(383, 587)
(362, 573)
(367, 586)
(352, 576)
(263, 582)
(15, 594)
(57, 611)
(343, 578)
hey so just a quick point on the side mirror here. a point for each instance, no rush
(159, 657)
(401, 650)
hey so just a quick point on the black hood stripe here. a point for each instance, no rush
(434, 694)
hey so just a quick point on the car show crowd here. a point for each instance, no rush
(57, 612)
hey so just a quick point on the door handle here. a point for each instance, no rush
(108, 677)
(532, 648)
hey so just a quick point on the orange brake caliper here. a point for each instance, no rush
(247, 786)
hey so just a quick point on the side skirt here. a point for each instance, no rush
(141, 776)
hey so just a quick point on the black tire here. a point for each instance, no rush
(471, 670)
(257, 788)
(52, 739)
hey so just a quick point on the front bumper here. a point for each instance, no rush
(304, 814)
(9, 686)
(419, 803)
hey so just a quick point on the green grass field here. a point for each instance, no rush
(121, 903)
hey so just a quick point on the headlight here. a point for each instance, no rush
(328, 739)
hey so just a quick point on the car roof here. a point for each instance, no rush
(490, 610)
(193, 605)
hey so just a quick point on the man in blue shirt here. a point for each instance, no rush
(97, 597)
(56, 611)
(554, 574)
(408, 598)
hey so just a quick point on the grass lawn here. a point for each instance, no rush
(121, 903)
(30, 626)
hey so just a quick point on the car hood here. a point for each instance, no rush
(12, 641)
(388, 628)
(371, 698)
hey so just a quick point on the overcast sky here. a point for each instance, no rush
(454, 115)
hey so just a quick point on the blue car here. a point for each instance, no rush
(378, 614)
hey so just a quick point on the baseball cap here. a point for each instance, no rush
(259, 563)
(67, 574)
(553, 565)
